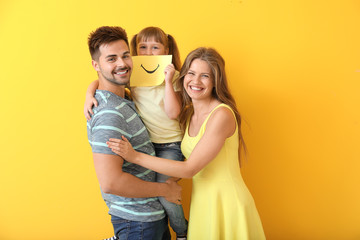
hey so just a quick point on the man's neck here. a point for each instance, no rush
(111, 87)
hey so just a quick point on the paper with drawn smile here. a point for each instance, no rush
(149, 70)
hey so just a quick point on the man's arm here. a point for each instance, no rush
(114, 181)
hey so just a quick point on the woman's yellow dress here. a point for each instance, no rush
(222, 207)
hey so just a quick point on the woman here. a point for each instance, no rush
(221, 205)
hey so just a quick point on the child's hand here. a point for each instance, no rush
(90, 101)
(169, 73)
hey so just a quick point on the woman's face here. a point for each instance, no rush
(151, 47)
(199, 80)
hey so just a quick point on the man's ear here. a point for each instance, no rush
(95, 65)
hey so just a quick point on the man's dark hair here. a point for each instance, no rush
(104, 35)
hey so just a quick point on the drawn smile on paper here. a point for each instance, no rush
(150, 72)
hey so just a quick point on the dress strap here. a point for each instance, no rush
(203, 126)
(218, 106)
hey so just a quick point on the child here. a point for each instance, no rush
(159, 108)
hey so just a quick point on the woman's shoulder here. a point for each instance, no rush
(222, 112)
(222, 118)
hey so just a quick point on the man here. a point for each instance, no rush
(129, 190)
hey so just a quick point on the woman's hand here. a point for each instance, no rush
(122, 148)
(90, 101)
(169, 73)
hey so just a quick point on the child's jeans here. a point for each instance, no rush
(133, 230)
(175, 212)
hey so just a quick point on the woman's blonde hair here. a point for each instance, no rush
(220, 91)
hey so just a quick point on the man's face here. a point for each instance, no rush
(115, 63)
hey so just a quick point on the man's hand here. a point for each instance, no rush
(174, 193)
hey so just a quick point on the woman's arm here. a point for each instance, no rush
(90, 100)
(220, 126)
(172, 102)
(113, 180)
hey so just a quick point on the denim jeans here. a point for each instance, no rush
(132, 230)
(175, 212)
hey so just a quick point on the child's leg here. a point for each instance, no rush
(175, 212)
(126, 229)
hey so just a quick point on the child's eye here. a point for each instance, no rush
(142, 47)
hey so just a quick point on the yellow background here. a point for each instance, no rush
(294, 67)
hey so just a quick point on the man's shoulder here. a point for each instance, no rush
(110, 101)
(107, 98)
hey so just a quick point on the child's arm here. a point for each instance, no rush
(90, 100)
(172, 101)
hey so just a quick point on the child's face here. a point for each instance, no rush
(151, 47)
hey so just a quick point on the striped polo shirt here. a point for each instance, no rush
(115, 117)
